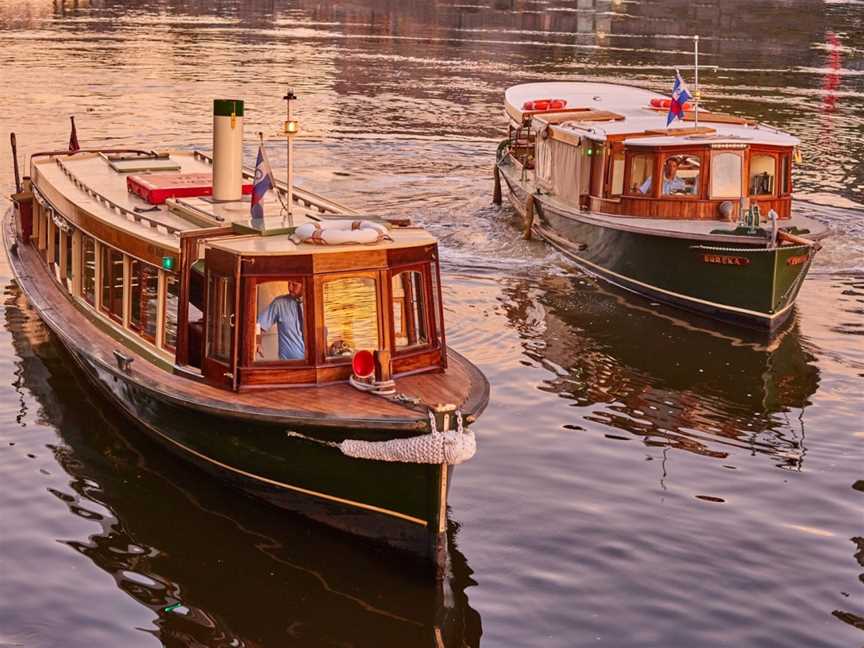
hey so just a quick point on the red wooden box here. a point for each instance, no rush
(156, 188)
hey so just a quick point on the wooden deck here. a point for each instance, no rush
(331, 406)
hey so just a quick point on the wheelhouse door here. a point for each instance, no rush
(221, 318)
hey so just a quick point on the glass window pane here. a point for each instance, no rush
(88, 262)
(172, 299)
(409, 310)
(641, 172)
(69, 238)
(761, 175)
(279, 319)
(112, 281)
(350, 316)
(56, 243)
(786, 175)
(143, 293)
(617, 175)
(726, 175)
(220, 317)
(681, 175)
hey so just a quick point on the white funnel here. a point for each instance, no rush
(227, 149)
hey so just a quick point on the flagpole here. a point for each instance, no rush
(696, 75)
(290, 129)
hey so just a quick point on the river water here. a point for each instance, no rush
(643, 477)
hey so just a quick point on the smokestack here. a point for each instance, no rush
(227, 149)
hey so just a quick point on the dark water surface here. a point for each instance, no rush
(643, 477)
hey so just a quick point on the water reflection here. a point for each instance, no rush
(214, 567)
(665, 377)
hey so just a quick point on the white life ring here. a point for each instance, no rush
(338, 232)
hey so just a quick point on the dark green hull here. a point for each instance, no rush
(743, 282)
(401, 504)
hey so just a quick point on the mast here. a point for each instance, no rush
(698, 92)
(290, 131)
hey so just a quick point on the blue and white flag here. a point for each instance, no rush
(680, 96)
(262, 183)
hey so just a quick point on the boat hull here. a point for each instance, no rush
(399, 504)
(750, 285)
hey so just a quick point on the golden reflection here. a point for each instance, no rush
(350, 316)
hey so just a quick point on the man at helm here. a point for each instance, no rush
(671, 182)
(286, 311)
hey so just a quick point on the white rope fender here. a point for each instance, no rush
(449, 447)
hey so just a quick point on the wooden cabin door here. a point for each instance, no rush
(221, 318)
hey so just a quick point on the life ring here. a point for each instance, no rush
(543, 105)
(658, 102)
(340, 232)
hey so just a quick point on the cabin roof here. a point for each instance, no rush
(633, 104)
(89, 181)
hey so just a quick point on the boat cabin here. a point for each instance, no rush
(608, 150)
(142, 248)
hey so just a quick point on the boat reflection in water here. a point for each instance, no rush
(656, 373)
(215, 566)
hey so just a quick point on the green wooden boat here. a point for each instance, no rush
(296, 349)
(697, 215)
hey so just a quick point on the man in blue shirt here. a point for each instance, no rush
(671, 182)
(286, 311)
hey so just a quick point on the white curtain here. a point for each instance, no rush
(559, 170)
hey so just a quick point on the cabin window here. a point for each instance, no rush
(726, 169)
(280, 323)
(350, 316)
(88, 263)
(681, 175)
(112, 282)
(409, 310)
(172, 299)
(54, 235)
(42, 241)
(641, 173)
(220, 317)
(143, 298)
(68, 239)
(762, 171)
(616, 173)
(786, 175)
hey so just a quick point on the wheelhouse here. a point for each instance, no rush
(621, 163)
(191, 284)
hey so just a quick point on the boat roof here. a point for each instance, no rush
(96, 183)
(601, 110)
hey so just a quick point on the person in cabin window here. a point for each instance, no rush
(671, 182)
(286, 312)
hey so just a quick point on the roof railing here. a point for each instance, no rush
(128, 214)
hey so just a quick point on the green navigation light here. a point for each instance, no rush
(167, 263)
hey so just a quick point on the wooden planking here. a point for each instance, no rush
(406, 256)
(277, 266)
(337, 262)
(683, 208)
(462, 385)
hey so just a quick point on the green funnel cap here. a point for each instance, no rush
(225, 107)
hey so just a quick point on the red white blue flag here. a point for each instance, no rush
(262, 183)
(680, 96)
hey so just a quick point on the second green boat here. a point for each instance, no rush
(699, 216)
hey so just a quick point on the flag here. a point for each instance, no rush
(262, 183)
(74, 147)
(680, 96)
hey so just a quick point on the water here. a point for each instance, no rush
(643, 477)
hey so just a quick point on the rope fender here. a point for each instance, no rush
(448, 447)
